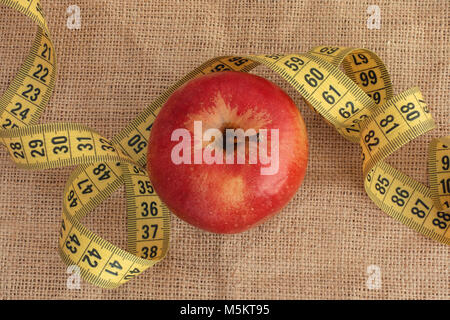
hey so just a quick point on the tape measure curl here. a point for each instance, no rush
(104, 166)
(358, 103)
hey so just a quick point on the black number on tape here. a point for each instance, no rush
(149, 208)
(381, 184)
(146, 230)
(294, 63)
(31, 89)
(445, 162)
(313, 77)
(149, 252)
(101, 172)
(73, 240)
(38, 75)
(408, 109)
(349, 110)
(445, 185)
(329, 96)
(370, 76)
(115, 265)
(60, 140)
(376, 96)
(17, 150)
(22, 114)
(400, 197)
(369, 136)
(138, 143)
(328, 50)
(38, 148)
(359, 59)
(47, 52)
(94, 254)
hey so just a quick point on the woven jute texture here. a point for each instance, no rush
(320, 246)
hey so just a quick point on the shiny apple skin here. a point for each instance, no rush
(227, 198)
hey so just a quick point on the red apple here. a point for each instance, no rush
(227, 197)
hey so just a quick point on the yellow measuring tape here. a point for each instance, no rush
(359, 103)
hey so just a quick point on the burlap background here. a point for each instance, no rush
(128, 52)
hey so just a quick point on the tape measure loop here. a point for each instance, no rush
(439, 174)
